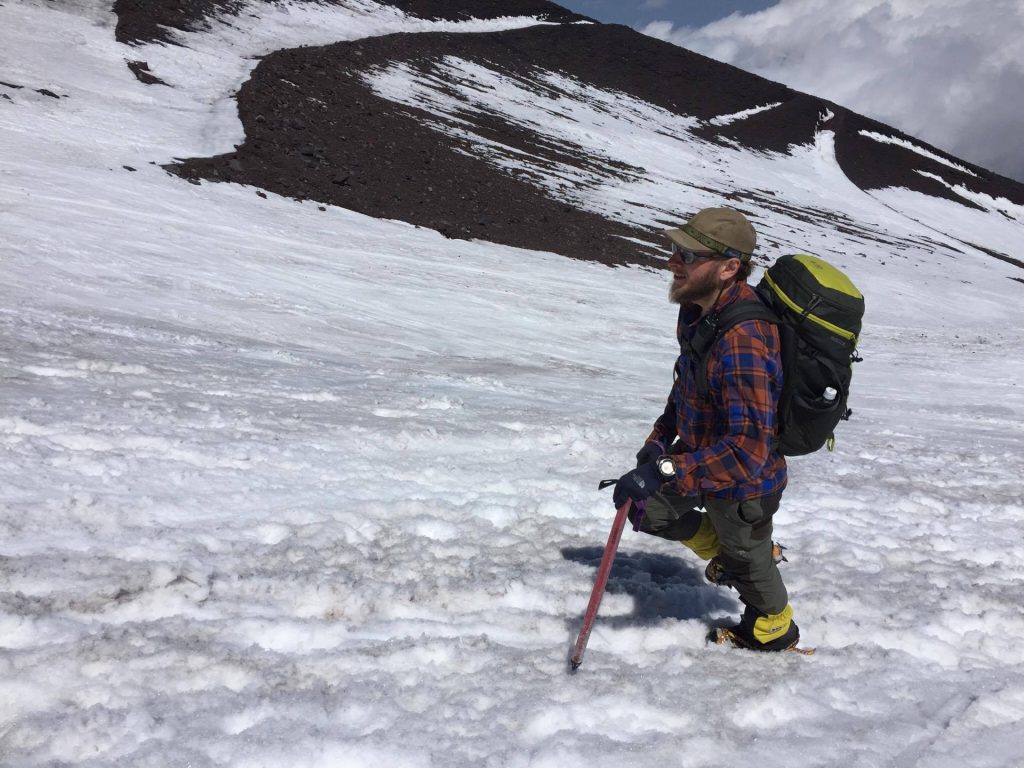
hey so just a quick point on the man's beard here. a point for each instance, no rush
(693, 290)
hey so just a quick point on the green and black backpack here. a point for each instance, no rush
(819, 312)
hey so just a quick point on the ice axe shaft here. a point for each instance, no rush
(599, 584)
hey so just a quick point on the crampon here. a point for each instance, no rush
(725, 636)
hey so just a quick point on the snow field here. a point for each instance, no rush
(293, 487)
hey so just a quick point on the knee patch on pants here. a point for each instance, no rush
(704, 543)
(668, 516)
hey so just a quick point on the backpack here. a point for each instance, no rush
(818, 311)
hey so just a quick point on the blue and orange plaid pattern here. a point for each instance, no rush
(728, 436)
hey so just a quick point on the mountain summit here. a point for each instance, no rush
(411, 126)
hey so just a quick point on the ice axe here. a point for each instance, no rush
(600, 581)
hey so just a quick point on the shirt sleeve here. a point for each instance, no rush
(747, 376)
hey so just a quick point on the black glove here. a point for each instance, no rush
(649, 453)
(637, 484)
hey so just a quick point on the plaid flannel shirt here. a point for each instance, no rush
(725, 439)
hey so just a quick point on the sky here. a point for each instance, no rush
(639, 13)
(286, 485)
(950, 73)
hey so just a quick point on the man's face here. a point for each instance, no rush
(694, 283)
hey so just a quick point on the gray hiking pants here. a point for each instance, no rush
(744, 531)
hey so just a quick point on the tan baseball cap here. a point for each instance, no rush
(716, 229)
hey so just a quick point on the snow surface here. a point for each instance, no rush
(292, 487)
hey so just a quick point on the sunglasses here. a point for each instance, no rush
(689, 257)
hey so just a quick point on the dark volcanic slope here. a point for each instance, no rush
(144, 21)
(148, 21)
(872, 165)
(326, 136)
(484, 9)
(315, 131)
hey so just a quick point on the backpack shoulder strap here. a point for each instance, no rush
(714, 325)
(742, 311)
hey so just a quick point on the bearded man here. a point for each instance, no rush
(708, 475)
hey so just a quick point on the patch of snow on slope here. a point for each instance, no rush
(799, 201)
(743, 114)
(881, 138)
(1007, 208)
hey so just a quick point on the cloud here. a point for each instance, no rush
(950, 73)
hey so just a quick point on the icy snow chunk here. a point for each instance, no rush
(314, 397)
(436, 529)
(57, 373)
(272, 533)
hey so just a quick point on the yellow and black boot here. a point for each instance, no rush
(762, 632)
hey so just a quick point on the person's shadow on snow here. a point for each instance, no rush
(662, 586)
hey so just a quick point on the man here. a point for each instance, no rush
(716, 451)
